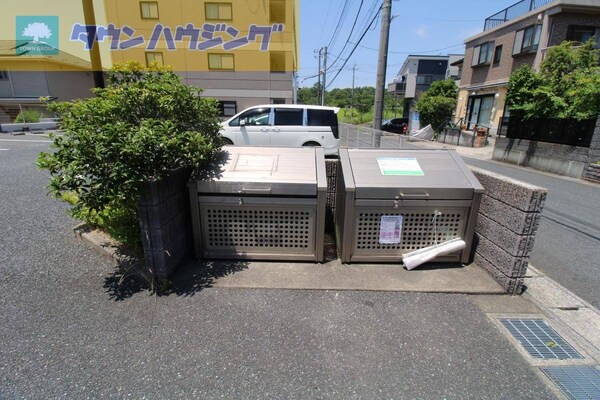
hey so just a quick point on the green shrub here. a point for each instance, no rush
(567, 85)
(28, 116)
(437, 104)
(143, 125)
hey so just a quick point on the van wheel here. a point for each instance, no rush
(226, 141)
(311, 144)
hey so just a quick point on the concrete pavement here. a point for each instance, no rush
(68, 329)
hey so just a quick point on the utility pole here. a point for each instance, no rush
(319, 78)
(324, 77)
(352, 93)
(95, 59)
(381, 67)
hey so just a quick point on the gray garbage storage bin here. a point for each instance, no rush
(387, 200)
(264, 203)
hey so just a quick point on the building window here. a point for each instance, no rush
(527, 40)
(581, 34)
(218, 11)
(277, 11)
(277, 61)
(3, 75)
(220, 61)
(154, 56)
(424, 79)
(277, 101)
(149, 9)
(482, 54)
(497, 55)
(227, 108)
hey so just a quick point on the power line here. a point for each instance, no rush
(326, 17)
(369, 15)
(412, 18)
(350, 34)
(355, 46)
(341, 19)
(414, 52)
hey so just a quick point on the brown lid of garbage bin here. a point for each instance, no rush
(265, 171)
(411, 174)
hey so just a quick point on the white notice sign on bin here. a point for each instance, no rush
(390, 229)
(399, 166)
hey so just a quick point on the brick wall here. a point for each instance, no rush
(505, 36)
(562, 21)
(165, 223)
(507, 223)
(501, 72)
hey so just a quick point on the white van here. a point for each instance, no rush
(284, 125)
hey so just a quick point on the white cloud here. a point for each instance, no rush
(422, 31)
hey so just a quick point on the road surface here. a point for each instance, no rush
(567, 245)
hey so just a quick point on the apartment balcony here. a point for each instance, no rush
(397, 88)
(512, 12)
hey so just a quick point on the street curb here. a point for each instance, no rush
(566, 310)
(97, 241)
(109, 249)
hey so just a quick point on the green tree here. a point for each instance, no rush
(308, 95)
(143, 125)
(437, 104)
(567, 85)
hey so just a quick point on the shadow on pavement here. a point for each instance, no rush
(191, 278)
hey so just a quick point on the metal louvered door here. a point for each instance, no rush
(266, 228)
(418, 230)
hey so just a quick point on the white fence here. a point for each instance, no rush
(364, 137)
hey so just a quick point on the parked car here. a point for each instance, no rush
(284, 125)
(396, 125)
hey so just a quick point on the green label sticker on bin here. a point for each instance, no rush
(399, 166)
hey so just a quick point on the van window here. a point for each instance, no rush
(323, 118)
(256, 116)
(288, 116)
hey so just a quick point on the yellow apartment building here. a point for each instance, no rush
(62, 73)
(241, 52)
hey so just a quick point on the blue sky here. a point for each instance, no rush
(418, 27)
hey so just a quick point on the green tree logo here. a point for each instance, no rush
(37, 35)
(37, 30)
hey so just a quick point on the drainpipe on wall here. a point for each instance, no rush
(544, 39)
(95, 59)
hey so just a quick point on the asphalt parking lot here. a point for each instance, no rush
(63, 334)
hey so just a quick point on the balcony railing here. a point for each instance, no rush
(397, 88)
(512, 12)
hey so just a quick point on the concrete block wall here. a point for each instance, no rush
(331, 172)
(456, 137)
(506, 227)
(166, 224)
(558, 158)
(592, 173)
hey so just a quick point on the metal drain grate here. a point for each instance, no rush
(577, 383)
(539, 339)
